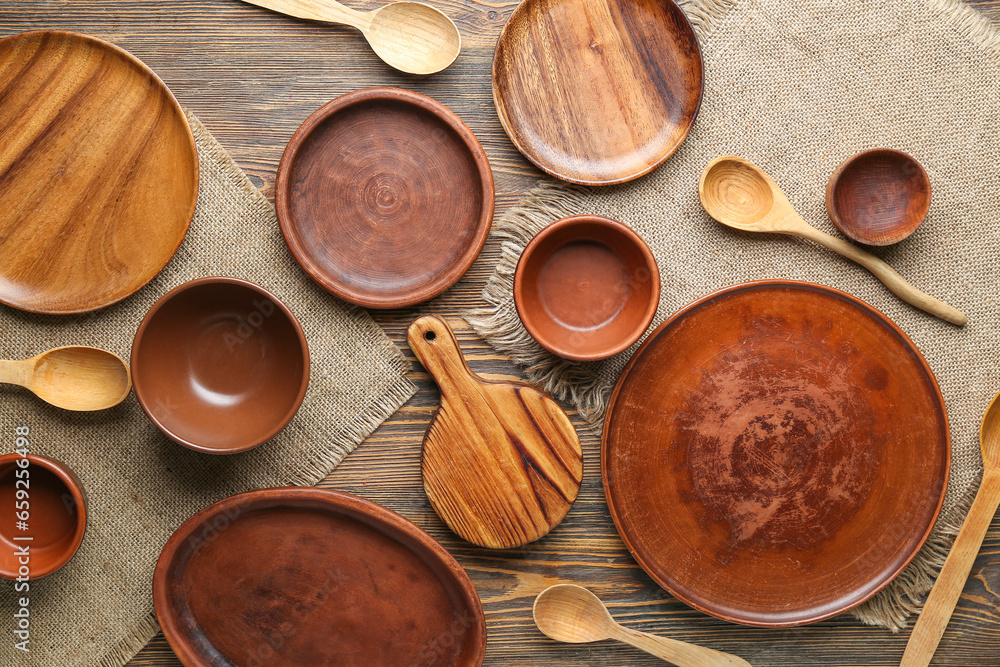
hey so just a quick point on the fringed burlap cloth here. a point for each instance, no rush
(797, 87)
(98, 610)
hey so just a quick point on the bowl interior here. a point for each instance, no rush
(55, 523)
(880, 197)
(587, 289)
(220, 366)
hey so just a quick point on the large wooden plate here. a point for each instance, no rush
(313, 578)
(98, 173)
(776, 453)
(597, 91)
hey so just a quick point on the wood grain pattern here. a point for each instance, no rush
(72, 378)
(501, 461)
(98, 173)
(597, 92)
(253, 77)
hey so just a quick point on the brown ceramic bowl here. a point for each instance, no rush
(586, 287)
(878, 197)
(220, 365)
(385, 197)
(57, 518)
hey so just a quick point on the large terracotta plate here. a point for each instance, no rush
(98, 173)
(313, 578)
(597, 91)
(775, 453)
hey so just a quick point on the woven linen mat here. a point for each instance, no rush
(98, 610)
(797, 87)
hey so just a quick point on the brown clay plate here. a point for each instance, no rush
(313, 578)
(98, 173)
(385, 197)
(775, 453)
(597, 91)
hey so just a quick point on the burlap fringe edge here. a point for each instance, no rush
(138, 636)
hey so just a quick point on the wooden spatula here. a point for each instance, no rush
(501, 461)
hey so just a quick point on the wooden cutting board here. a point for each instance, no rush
(501, 462)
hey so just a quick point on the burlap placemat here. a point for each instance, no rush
(797, 87)
(98, 610)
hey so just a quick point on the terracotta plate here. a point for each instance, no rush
(385, 197)
(98, 173)
(313, 578)
(597, 91)
(775, 453)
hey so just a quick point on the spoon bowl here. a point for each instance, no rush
(736, 193)
(74, 378)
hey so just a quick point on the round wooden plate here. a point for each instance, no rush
(775, 453)
(597, 91)
(385, 197)
(98, 173)
(313, 578)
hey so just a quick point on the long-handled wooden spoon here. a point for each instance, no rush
(941, 602)
(738, 194)
(72, 378)
(410, 36)
(573, 614)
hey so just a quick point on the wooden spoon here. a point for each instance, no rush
(72, 378)
(738, 194)
(410, 36)
(944, 596)
(573, 614)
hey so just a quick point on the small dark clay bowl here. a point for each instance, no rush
(220, 365)
(878, 197)
(57, 517)
(586, 287)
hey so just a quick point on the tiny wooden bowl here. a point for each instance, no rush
(586, 287)
(57, 520)
(878, 197)
(385, 197)
(220, 365)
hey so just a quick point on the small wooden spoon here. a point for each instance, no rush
(948, 588)
(72, 378)
(410, 36)
(573, 614)
(738, 194)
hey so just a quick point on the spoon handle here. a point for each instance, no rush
(895, 282)
(680, 653)
(14, 372)
(948, 588)
(328, 11)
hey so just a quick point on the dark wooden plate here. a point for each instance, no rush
(98, 173)
(597, 91)
(313, 578)
(775, 453)
(385, 197)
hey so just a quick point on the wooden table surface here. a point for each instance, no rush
(253, 77)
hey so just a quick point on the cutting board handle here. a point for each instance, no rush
(435, 345)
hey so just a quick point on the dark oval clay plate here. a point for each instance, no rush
(597, 91)
(385, 197)
(98, 173)
(303, 577)
(775, 453)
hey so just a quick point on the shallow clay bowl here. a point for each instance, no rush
(878, 197)
(220, 365)
(586, 287)
(58, 514)
(385, 197)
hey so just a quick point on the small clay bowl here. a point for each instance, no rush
(586, 287)
(57, 515)
(878, 197)
(220, 365)
(385, 197)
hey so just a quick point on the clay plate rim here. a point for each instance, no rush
(552, 171)
(343, 503)
(570, 222)
(219, 280)
(283, 185)
(194, 151)
(694, 305)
